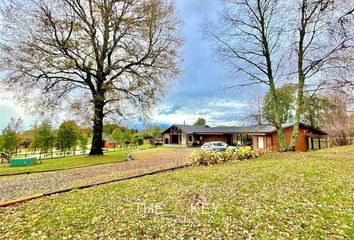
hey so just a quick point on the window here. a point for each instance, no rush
(260, 142)
(219, 144)
(190, 138)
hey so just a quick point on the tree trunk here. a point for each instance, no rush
(301, 80)
(278, 122)
(275, 102)
(97, 141)
(298, 110)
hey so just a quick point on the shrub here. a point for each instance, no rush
(140, 141)
(245, 153)
(147, 136)
(205, 158)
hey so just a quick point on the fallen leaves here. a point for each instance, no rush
(286, 196)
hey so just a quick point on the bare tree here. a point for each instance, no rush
(254, 111)
(322, 47)
(115, 55)
(249, 36)
(16, 125)
(338, 122)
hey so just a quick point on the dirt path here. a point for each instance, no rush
(14, 187)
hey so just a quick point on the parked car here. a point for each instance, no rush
(155, 143)
(216, 146)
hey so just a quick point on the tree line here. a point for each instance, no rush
(101, 58)
(328, 112)
(43, 137)
(68, 136)
(308, 43)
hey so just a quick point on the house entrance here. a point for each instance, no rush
(175, 139)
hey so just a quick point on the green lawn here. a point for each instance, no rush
(69, 162)
(287, 196)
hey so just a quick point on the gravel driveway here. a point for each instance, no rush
(13, 187)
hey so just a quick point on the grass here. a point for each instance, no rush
(286, 196)
(68, 162)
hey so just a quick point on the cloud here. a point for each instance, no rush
(202, 90)
(168, 109)
(9, 109)
(215, 111)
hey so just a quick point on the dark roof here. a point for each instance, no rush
(191, 129)
(261, 129)
(111, 141)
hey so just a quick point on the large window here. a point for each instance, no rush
(260, 141)
(316, 143)
(242, 140)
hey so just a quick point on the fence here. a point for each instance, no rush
(61, 154)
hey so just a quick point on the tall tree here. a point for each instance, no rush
(44, 137)
(67, 135)
(286, 102)
(110, 55)
(248, 37)
(83, 141)
(200, 122)
(109, 128)
(155, 131)
(320, 47)
(253, 113)
(337, 121)
(127, 137)
(8, 139)
(16, 126)
(315, 110)
(118, 135)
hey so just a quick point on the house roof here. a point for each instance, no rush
(191, 129)
(255, 129)
(111, 141)
(267, 129)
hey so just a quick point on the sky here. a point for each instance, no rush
(201, 91)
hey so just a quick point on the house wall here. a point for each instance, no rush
(213, 138)
(166, 136)
(182, 139)
(267, 141)
(205, 138)
(272, 141)
(110, 145)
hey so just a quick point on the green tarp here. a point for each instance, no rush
(20, 162)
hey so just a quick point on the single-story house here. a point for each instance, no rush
(110, 143)
(191, 135)
(260, 137)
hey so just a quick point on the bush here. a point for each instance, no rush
(147, 136)
(205, 158)
(140, 141)
(243, 153)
